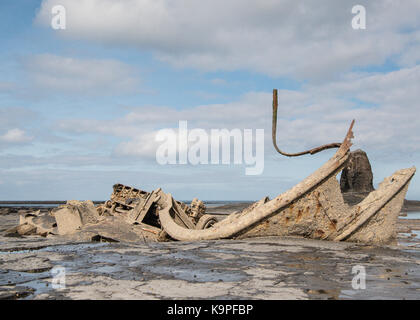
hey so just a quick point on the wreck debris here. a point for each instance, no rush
(373, 225)
(24, 229)
(34, 223)
(274, 130)
(116, 229)
(72, 216)
(123, 194)
(198, 209)
(130, 215)
(143, 206)
(206, 221)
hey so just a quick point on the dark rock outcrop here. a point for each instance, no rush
(357, 176)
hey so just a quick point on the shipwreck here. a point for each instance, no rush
(314, 208)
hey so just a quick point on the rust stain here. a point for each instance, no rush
(333, 225)
(318, 209)
(299, 215)
(291, 207)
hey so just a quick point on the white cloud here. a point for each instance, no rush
(139, 120)
(59, 74)
(143, 145)
(311, 39)
(15, 135)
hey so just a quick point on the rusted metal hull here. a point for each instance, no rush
(323, 214)
(314, 209)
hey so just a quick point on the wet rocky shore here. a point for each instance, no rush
(258, 268)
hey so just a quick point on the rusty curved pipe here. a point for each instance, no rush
(274, 130)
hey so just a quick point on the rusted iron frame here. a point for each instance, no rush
(274, 130)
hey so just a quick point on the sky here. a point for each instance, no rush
(80, 107)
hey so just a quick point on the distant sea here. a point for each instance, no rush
(412, 215)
